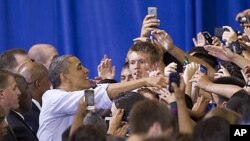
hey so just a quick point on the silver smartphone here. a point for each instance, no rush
(89, 96)
(152, 11)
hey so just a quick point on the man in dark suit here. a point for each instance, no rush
(9, 94)
(37, 77)
(15, 118)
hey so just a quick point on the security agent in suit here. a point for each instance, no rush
(9, 95)
(15, 118)
(37, 77)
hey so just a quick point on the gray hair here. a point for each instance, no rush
(58, 65)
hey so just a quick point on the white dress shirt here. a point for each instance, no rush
(59, 108)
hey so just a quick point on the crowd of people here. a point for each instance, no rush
(164, 93)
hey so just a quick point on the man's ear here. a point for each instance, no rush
(37, 83)
(64, 78)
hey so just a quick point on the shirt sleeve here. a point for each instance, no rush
(102, 99)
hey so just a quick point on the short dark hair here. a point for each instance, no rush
(233, 69)
(145, 113)
(126, 101)
(205, 129)
(8, 60)
(88, 133)
(239, 98)
(201, 53)
(94, 119)
(4, 76)
(228, 80)
(58, 66)
(147, 48)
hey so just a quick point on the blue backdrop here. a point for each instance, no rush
(91, 28)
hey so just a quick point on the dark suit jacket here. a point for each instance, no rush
(21, 128)
(32, 117)
(10, 135)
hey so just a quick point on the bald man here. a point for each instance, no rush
(43, 53)
(37, 77)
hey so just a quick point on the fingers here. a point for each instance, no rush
(229, 28)
(140, 39)
(119, 114)
(194, 41)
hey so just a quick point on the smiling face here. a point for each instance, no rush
(78, 75)
(139, 64)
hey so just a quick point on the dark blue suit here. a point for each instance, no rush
(10, 135)
(21, 129)
(32, 117)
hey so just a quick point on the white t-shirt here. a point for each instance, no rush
(59, 108)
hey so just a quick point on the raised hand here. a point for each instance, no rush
(222, 72)
(216, 41)
(159, 81)
(201, 80)
(220, 52)
(116, 127)
(170, 68)
(149, 23)
(163, 39)
(105, 69)
(229, 36)
(243, 13)
(201, 41)
(189, 71)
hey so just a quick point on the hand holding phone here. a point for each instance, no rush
(174, 77)
(203, 69)
(90, 99)
(219, 31)
(152, 11)
(208, 37)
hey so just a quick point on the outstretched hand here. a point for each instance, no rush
(163, 39)
(220, 52)
(105, 69)
(200, 41)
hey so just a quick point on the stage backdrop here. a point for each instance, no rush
(89, 29)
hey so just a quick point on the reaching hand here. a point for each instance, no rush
(220, 52)
(201, 80)
(201, 41)
(163, 39)
(199, 108)
(170, 68)
(222, 72)
(247, 32)
(116, 128)
(229, 36)
(179, 92)
(243, 13)
(105, 69)
(159, 81)
(189, 71)
(246, 74)
(216, 41)
(149, 24)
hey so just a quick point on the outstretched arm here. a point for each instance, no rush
(116, 88)
(165, 41)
